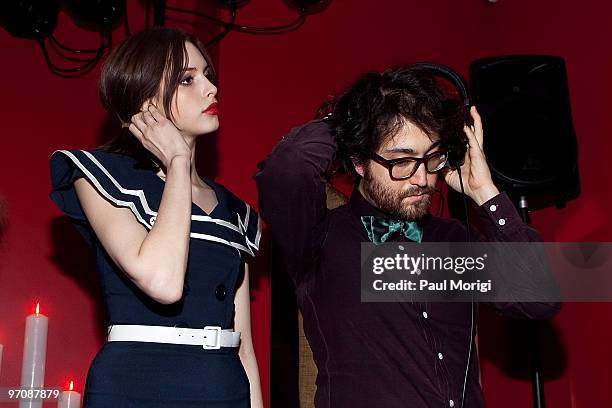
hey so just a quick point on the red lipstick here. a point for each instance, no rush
(213, 109)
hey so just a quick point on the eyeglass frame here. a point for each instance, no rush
(419, 160)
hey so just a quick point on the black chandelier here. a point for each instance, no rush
(37, 20)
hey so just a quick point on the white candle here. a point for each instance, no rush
(1, 348)
(34, 355)
(69, 399)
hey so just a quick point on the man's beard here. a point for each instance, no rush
(391, 202)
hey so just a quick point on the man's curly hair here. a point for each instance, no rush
(377, 105)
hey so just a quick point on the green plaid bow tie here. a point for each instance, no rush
(381, 230)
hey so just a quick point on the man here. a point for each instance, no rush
(382, 354)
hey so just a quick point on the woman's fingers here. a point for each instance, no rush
(158, 135)
(156, 113)
(135, 131)
(138, 120)
(144, 119)
(148, 118)
(139, 129)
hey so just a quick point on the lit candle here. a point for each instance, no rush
(70, 398)
(34, 355)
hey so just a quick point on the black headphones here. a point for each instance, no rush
(457, 147)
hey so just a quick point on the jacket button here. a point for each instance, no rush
(221, 292)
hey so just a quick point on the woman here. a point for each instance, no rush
(170, 245)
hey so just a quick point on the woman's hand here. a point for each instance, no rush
(477, 181)
(159, 135)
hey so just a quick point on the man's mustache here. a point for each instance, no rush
(419, 191)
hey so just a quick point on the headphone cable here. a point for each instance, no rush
(472, 306)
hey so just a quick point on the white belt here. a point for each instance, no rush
(210, 337)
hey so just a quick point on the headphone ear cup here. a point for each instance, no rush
(460, 145)
(456, 150)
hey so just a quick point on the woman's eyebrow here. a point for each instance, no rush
(191, 69)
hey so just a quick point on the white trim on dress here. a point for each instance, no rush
(241, 228)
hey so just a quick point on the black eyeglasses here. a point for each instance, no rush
(405, 167)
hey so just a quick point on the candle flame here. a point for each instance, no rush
(37, 307)
(71, 385)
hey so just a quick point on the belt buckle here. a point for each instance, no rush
(217, 334)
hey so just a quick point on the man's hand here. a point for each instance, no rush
(477, 181)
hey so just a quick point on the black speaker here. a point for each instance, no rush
(529, 141)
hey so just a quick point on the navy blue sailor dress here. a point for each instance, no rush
(139, 374)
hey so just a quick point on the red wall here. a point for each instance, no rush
(267, 85)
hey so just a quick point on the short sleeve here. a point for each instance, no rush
(118, 179)
(108, 173)
(63, 175)
(64, 172)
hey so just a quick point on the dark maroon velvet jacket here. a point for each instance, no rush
(387, 355)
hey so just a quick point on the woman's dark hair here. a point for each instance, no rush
(377, 105)
(134, 72)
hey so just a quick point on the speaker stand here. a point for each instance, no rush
(533, 333)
